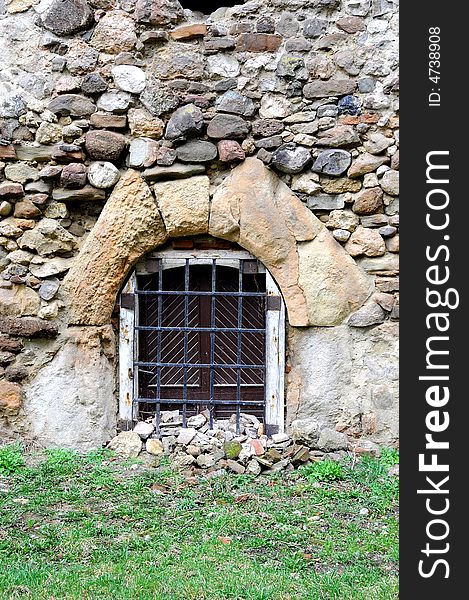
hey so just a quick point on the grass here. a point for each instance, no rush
(92, 527)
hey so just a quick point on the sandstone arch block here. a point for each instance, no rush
(129, 226)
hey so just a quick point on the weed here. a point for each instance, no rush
(11, 459)
(323, 470)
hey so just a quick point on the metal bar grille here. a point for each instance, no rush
(201, 339)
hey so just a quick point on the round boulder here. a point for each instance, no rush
(332, 162)
(290, 158)
(104, 145)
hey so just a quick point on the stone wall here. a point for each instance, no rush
(91, 90)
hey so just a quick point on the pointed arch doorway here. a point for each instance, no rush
(202, 328)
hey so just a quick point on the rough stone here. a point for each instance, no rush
(340, 185)
(235, 103)
(186, 120)
(11, 190)
(104, 121)
(230, 150)
(129, 78)
(343, 219)
(81, 58)
(114, 33)
(143, 429)
(104, 145)
(366, 163)
(189, 32)
(305, 183)
(73, 176)
(53, 266)
(390, 182)
(274, 106)
(154, 447)
(306, 431)
(93, 83)
(184, 205)
(48, 289)
(114, 101)
(371, 314)
(258, 42)
(28, 327)
(227, 126)
(186, 435)
(331, 440)
(177, 62)
(196, 151)
(377, 142)
(143, 124)
(11, 399)
(291, 158)
(73, 105)
(350, 24)
(158, 12)
(267, 127)
(325, 202)
(338, 137)
(174, 171)
(103, 175)
(128, 227)
(18, 301)
(87, 193)
(47, 238)
(158, 98)
(143, 152)
(332, 87)
(64, 17)
(313, 28)
(48, 133)
(368, 201)
(365, 241)
(332, 162)
(21, 173)
(26, 210)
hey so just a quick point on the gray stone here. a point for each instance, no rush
(332, 87)
(64, 17)
(325, 202)
(197, 151)
(332, 162)
(366, 163)
(126, 444)
(366, 85)
(48, 289)
(377, 143)
(174, 171)
(12, 107)
(28, 327)
(129, 78)
(235, 103)
(288, 25)
(158, 98)
(331, 440)
(114, 101)
(81, 58)
(114, 33)
(270, 142)
(104, 145)
(267, 127)
(51, 267)
(21, 173)
(313, 28)
(93, 83)
(186, 120)
(224, 65)
(306, 431)
(227, 126)
(73, 105)
(291, 158)
(84, 194)
(358, 8)
(341, 235)
(371, 314)
(176, 62)
(390, 182)
(103, 175)
(290, 65)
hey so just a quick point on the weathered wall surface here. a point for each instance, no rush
(91, 89)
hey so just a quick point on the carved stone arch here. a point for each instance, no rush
(321, 284)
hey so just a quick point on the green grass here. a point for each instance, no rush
(92, 527)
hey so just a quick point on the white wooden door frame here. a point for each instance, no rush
(275, 340)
